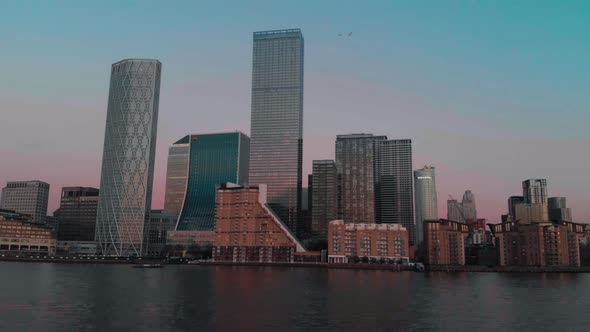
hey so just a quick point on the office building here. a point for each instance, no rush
(531, 213)
(20, 236)
(355, 164)
(77, 214)
(558, 211)
(213, 159)
(26, 197)
(248, 230)
(426, 199)
(394, 191)
(468, 204)
(177, 175)
(455, 211)
(276, 155)
(128, 157)
(535, 191)
(444, 242)
(539, 244)
(324, 197)
(373, 242)
(155, 232)
(512, 202)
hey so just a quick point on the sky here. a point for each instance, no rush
(490, 92)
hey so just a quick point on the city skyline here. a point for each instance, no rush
(332, 87)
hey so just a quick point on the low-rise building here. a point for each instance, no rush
(444, 242)
(188, 243)
(246, 229)
(538, 244)
(349, 241)
(155, 232)
(19, 235)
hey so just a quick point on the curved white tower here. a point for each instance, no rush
(128, 156)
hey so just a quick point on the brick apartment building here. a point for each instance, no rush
(247, 230)
(444, 242)
(539, 244)
(373, 241)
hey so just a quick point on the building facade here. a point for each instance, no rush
(531, 213)
(538, 244)
(26, 197)
(213, 159)
(20, 236)
(426, 199)
(444, 242)
(558, 210)
(355, 164)
(248, 230)
(177, 175)
(535, 191)
(155, 232)
(512, 202)
(350, 241)
(324, 197)
(276, 156)
(455, 211)
(394, 190)
(77, 214)
(128, 157)
(468, 204)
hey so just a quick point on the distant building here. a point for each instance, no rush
(154, 233)
(128, 157)
(426, 199)
(26, 197)
(531, 213)
(247, 230)
(77, 214)
(177, 175)
(512, 202)
(455, 211)
(348, 241)
(324, 197)
(468, 204)
(535, 191)
(276, 157)
(539, 244)
(558, 210)
(444, 242)
(214, 159)
(20, 236)
(355, 163)
(394, 192)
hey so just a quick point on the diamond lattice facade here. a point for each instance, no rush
(128, 156)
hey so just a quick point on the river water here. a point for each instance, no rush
(54, 297)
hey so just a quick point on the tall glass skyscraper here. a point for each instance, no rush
(213, 159)
(394, 192)
(468, 203)
(277, 120)
(426, 199)
(535, 191)
(324, 192)
(177, 175)
(128, 156)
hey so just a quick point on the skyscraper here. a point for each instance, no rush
(128, 156)
(26, 197)
(355, 163)
(77, 214)
(558, 210)
(394, 192)
(455, 211)
(512, 202)
(426, 199)
(213, 159)
(177, 175)
(535, 191)
(324, 197)
(277, 120)
(468, 203)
